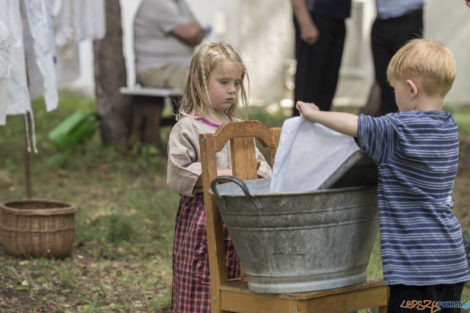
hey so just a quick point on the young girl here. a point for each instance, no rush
(215, 79)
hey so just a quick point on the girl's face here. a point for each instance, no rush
(224, 84)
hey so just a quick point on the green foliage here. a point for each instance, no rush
(466, 239)
(269, 119)
(118, 228)
(161, 303)
(374, 269)
(463, 120)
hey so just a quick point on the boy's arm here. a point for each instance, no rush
(345, 123)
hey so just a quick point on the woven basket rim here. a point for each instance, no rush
(62, 207)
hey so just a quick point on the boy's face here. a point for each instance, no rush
(403, 95)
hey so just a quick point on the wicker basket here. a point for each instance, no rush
(37, 228)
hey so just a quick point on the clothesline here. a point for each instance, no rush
(38, 43)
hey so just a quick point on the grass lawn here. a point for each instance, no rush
(121, 259)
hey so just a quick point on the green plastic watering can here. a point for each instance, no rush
(74, 129)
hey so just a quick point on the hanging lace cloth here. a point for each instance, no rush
(26, 61)
(14, 95)
(39, 47)
(30, 30)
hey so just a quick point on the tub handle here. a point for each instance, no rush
(240, 184)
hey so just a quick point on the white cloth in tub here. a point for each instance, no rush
(308, 153)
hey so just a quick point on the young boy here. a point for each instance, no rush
(416, 151)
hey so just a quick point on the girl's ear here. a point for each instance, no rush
(413, 87)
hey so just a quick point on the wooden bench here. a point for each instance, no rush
(147, 108)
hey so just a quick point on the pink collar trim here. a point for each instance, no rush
(207, 122)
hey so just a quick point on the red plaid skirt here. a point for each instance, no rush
(190, 287)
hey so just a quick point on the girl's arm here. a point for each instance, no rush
(345, 123)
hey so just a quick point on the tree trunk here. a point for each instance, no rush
(114, 108)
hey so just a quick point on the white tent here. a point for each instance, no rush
(263, 33)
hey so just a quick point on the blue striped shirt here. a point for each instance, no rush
(417, 155)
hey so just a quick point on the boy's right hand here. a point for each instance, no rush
(307, 109)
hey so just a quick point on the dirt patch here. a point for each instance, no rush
(12, 300)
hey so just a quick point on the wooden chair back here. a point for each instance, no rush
(241, 135)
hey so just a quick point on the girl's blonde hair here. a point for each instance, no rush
(427, 61)
(196, 98)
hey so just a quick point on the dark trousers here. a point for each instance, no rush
(419, 299)
(318, 65)
(387, 37)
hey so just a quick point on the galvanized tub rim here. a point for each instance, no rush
(285, 216)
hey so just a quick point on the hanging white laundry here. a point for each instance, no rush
(89, 19)
(78, 20)
(39, 47)
(5, 70)
(3, 103)
(68, 64)
(14, 95)
(5, 41)
(62, 21)
(307, 154)
(74, 21)
(67, 53)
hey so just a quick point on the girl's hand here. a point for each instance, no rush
(307, 109)
(225, 172)
(467, 2)
(228, 171)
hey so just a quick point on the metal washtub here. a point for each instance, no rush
(298, 242)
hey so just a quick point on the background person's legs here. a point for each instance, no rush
(318, 65)
(387, 37)
(168, 76)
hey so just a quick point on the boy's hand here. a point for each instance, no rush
(307, 109)
(342, 122)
